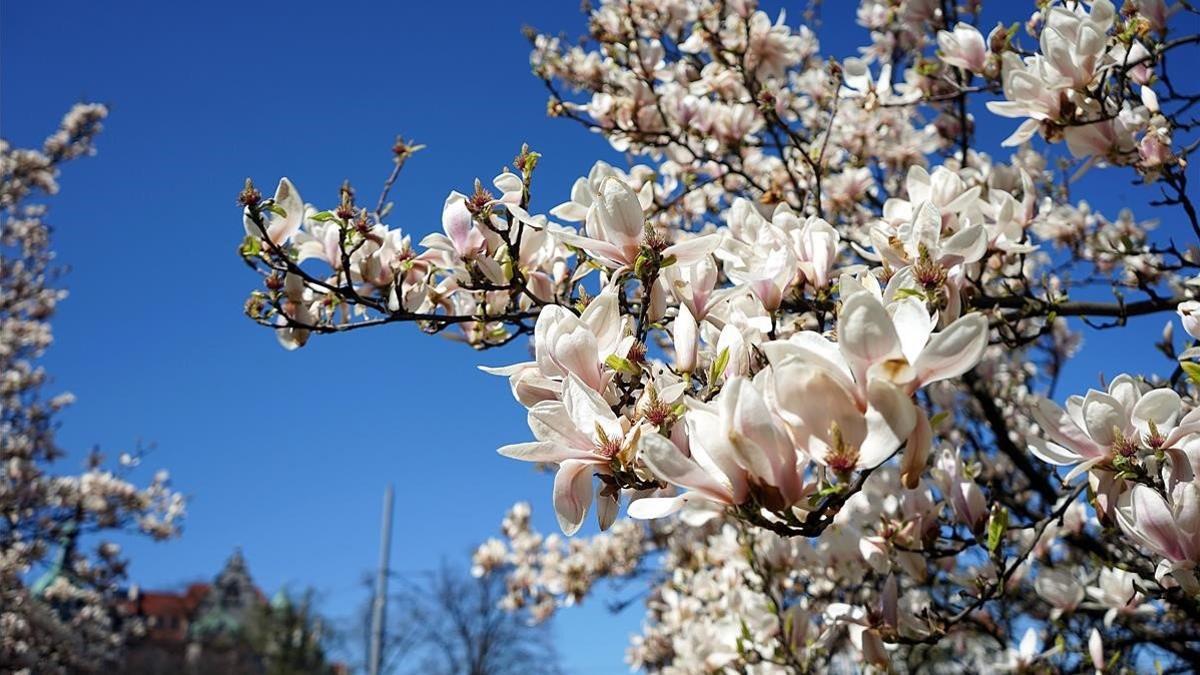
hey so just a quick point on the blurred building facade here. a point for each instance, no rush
(226, 626)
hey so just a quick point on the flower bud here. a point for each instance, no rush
(686, 334)
(1189, 314)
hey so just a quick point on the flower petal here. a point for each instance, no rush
(953, 351)
(666, 462)
(572, 494)
(866, 334)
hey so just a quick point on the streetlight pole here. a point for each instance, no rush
(379, 602)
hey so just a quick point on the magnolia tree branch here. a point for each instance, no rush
(810, 326)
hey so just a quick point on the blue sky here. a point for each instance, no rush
(287, 454)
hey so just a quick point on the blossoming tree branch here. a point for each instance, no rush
(60, 569)
(814, 335)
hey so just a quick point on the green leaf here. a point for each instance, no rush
(323, 216)
(997, 526)
(277, 210)
(251, 247)
(829, 490)
(1192, 370)
(718, 366)
(621, 365)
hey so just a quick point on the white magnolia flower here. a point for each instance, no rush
(284, 217)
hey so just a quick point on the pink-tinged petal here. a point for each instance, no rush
(649, 508)
(953, 351)
(551, 422)
(812, 348)
(875, 551)
(1053, 453)
(1183, 464)
(889, 602)
(691, 250)
(588, 410)
(866, 334)
(507, 371)
(916, 451)
(666, 462)
(747, 452)
(974, 506)
(1126, 390)
(1086, 140)
(1104, 416)
(1024, 132)
(918, 184)
(685, 337)
(1083, 468)
(1149, 519)
(572, 494)
(458, 226)
(603, 317)
(811, 401)
(1190, 424)
(491, 270)
(711, 449)
(913, 325)
(543, 451)
(606, 253)
(823, 243)
(616, 213)
(527, 383)
(1187, 517)
(510, 186)
(967, 245)
(925, 229)
(282, 228)
(959, 204)
(1161, 406)
(545, 331)
(570, 212)
(1096, 650)
(607, 508)
(891, 417)
(576, 209)
(1061, 429)
(577, 353)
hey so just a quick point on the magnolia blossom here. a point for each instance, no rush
(735, 449)
(285, 216)
(1060, 589)
(822, 315)
(1189, 314)
(1102, 426)
(964, 47)
(615, 231)
(1168, 529)
(583, 436)
(1116, 590)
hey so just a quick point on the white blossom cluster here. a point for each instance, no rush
(47, 518)
(818, 330)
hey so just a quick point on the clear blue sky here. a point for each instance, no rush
(287, 454)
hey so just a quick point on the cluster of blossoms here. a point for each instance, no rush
(63, 621)
(544, 572)
(817, 332)
(729, 598)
